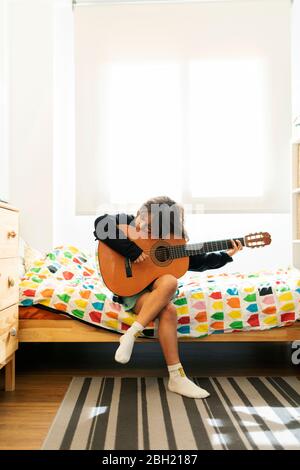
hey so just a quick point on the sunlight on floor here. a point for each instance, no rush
(98, 410)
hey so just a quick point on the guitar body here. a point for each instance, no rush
(113, 265)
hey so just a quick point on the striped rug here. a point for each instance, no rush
(113, 413)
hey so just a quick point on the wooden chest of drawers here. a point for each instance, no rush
(9, 291)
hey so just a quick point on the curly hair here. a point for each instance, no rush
(167, 216)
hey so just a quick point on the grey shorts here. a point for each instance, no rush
(130, 301)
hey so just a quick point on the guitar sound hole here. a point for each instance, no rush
(162, 253)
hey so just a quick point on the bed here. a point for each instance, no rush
(40, 329)
(63, 299)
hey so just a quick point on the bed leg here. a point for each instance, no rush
(10, 373)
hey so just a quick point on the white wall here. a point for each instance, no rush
(42, 142)
(4, 108)
(31, 117)
(296, 61)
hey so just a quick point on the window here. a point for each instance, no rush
(223, 117)
(186, 100)
(144, 131)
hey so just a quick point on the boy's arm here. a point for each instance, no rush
(207, 261)
(107, 230)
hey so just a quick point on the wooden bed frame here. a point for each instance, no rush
(61, 331)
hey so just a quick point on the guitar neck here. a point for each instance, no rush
(181, 251)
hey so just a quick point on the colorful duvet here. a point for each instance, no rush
(67, 281)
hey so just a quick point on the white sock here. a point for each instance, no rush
(179, 383)
(127, 340)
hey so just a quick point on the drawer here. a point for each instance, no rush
(9, 233)
(9, 282)
(8, 332)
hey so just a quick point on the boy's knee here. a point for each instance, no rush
(167, 282)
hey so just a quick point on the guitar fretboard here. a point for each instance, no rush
(181, 251)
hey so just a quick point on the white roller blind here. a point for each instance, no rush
(190, 100)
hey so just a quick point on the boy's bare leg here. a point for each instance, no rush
(167, 333)
(167, 328)
(149, 307)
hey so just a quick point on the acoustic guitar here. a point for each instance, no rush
(166, 256)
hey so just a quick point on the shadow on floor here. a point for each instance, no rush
(202, 359)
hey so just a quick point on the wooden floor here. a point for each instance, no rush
(44, 372)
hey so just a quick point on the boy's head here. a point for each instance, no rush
(161, 217)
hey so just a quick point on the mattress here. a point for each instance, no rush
(38, 313)
(67, 281)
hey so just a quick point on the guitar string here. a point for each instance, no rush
(184, 249)
(200, 244)
(197, 246)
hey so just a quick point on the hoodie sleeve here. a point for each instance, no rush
(107, 231)
(206, 261)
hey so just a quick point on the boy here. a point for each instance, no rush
(156, 299)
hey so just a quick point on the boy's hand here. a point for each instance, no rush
(141, 258)
(236, 247)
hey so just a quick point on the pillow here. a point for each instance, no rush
(31, 255)
(27, 255)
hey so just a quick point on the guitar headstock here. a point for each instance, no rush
(256, 240)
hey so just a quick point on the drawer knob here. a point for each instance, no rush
(11, 234)
(13, 332)
(11, 282)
